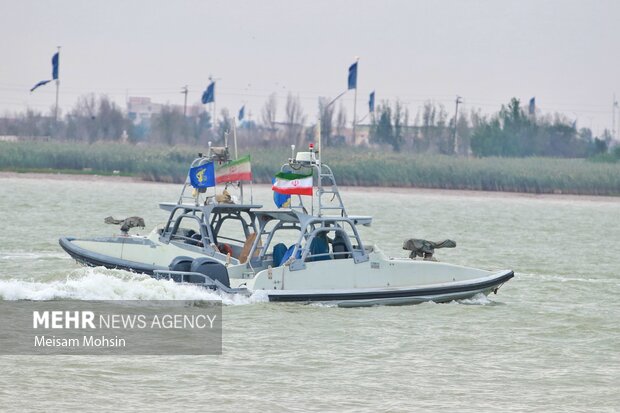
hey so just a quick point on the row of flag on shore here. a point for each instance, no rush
(208, 96)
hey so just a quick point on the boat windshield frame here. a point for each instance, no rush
(309, 227)
(207, 216)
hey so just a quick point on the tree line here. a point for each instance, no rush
(511, 132)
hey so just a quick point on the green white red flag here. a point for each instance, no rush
(293, 184)
(239, 170)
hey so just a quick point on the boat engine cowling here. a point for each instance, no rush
(181, 263)
(212, 269)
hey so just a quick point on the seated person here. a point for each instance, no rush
(279, 250)
(339, 247)
(319, 246)
(288, 254)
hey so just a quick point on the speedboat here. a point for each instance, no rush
(201, 224)
(314, 253)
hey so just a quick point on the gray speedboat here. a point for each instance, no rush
(310, 253)
(201, 224)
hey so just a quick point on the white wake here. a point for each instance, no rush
(104, 284)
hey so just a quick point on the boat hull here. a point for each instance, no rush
(334, 295)
(94, 259)
(401, 296)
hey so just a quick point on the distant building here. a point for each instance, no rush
(141, 109)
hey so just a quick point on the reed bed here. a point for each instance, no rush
(355, 167)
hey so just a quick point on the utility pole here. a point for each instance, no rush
(184, 91)
(614, 105)
(456, 118)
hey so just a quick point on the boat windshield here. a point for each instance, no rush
(227, 230)
(233, 231)
(287, 236)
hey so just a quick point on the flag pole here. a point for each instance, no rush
(57, 88)
(355, 105)
(212, 80)
(235, 137)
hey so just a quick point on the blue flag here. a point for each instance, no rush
(202, 176)
(41, 83)
(281, 200)
(55, 62)
(209, 95)
(241, 113)
(353, 76)
(371, 102)
(532, 108)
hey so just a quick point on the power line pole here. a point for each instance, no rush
(184, 91)
(614, 105)
(456, 118)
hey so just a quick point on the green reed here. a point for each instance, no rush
(358, 167)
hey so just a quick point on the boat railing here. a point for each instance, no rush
(325, 185)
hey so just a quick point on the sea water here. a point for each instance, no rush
(548, 341)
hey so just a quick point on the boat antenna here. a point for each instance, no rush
(292, 152)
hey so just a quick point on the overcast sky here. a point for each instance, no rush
(566, 53)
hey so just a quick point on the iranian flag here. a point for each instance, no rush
(239, 170)
(293, 184)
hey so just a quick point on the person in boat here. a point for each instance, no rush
(319, 247)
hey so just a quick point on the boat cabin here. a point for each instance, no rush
(218, 230)
(293, 238)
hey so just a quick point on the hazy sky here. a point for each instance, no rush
(566, 53)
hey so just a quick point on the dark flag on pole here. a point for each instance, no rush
(55, 62)
(209, 95)
(352, 80)
(55, 59)
(241, 113)
(41, 83)
(532, 109)
(371, 102)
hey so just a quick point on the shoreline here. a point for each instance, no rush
(61, 176)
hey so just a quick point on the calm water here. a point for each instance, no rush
(549, 341)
